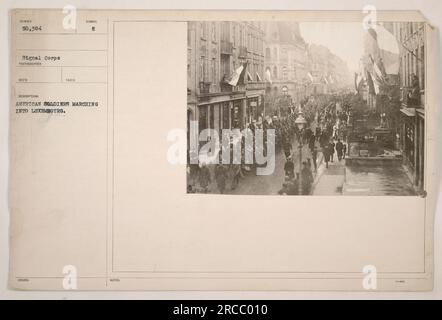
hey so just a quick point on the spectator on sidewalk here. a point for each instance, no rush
(204, 178)
(307, 135)
(314, 158)
(287, 147)
(221, 177)
(339, 148)
(318, 132)
(190, 189)
(237, 175)
(193, 173)
(331, 150)
(289, 187)
(307, 179)
(311, 143)
(326, 154)
(289, 167)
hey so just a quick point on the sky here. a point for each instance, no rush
(345, 39)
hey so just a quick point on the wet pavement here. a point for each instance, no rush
(330, 181)
(252, 184)
(377, 180)
(337, 179)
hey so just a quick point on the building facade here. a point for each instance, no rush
(411, 36)
(215, 51)
(327, 72)
(409, 83)
(285, 62)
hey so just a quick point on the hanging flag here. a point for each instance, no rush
(358, 79)
(310, 77)
(371, 42)
(382, 67)
(387, 41)
(258, 78)
(377, 84)
(234, 77)
(384, 47)
(237, 76)
(361, 71)
(373, 85)
(377, 71)
(356, 82)
(370, 83)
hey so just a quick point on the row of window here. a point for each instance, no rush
(408, 29)
(413, 63)
(285, 73)
(209, 72)
(236, 33)
(223, 115)
(272, 53)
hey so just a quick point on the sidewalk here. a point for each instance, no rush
(329, 181)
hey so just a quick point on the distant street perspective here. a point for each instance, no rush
(346, 106)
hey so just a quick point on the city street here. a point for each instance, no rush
(330, 180)
(265, 185)
(337, 179)
(368, 103)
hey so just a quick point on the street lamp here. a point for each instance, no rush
(300, 123)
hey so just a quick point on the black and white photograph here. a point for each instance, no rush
(306, 108)
(306, 164)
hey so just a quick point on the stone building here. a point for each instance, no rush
(285, 62)
(329, 73)
(402, 91)
(411, 38)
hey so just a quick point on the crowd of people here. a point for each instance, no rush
(325, 133)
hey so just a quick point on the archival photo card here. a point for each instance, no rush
(222, 150)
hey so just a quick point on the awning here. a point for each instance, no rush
(421, 112)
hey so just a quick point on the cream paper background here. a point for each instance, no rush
(145, 233)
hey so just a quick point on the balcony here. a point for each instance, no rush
(224, 86)
(411, 100)
(226, 47)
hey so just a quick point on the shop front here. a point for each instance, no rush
(412, 141)
(420, 150)
(222, 115)
(252, 109)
